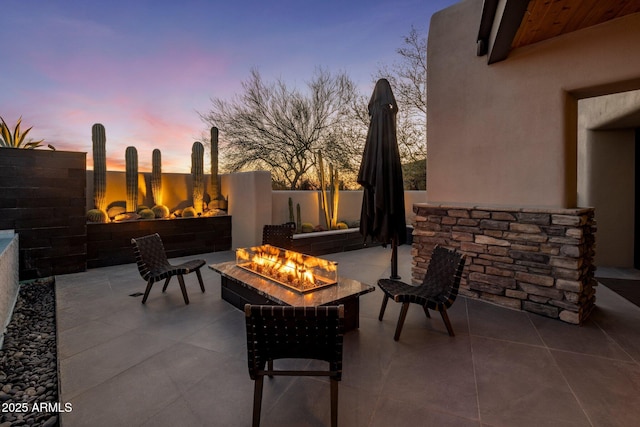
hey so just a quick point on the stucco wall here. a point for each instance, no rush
(505, 134)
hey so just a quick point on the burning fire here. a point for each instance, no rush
(290, 268)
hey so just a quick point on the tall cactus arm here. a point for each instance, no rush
(197, 173)
(99, 139)
(131, 161)
(156, 176)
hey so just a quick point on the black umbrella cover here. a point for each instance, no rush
(382, 216)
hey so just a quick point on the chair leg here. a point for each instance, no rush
(200, 280)
(426, 311)
(257, 400)
(183, 289)
(403, 315)
(384, 306)
(166, 283)
(270, 367)
(146, 291)
(445, 317)
(334, 402)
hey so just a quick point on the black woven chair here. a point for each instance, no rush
(279, 332)
(154, 266)
(279, 235)
(438, 290)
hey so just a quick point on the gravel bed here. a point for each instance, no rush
(28, 359)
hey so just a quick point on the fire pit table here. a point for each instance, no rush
(274, 276)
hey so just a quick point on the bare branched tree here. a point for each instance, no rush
(273, 127)
(408, 78)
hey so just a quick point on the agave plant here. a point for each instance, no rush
(17, 139)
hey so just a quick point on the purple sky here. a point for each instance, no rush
(145, 68)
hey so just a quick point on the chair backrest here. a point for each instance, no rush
(150, 255)
(278, 235)
(444, 274)
(277, 332)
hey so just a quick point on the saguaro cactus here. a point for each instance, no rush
(131, 160)
(291, 217)
(330, 201)
(99, 138)
(197, 174)
(156, 177)
(215, 185)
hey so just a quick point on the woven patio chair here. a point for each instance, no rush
(154, 266)
(279, 332)
(279, 235)
(438, 290)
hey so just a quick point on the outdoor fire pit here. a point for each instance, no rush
(299, 272)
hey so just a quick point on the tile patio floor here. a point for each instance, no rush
(166, 364)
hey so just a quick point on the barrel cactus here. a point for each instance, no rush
(156, 176)
(99, 138)
(131, 160)
(97, 215)
(307, 227)
(189, 212)
(197, 174)
(147, 214)
(160, 211)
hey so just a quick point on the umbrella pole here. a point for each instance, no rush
(394, 259)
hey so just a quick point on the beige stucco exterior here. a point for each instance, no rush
(506, 133)
(606, 171)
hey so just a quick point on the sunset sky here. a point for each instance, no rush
(145, 69)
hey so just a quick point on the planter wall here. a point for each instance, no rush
(327, 242)
(43, 200)
(110, 244)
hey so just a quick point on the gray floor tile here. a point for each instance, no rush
(127, 399)
(175, 414)
(491, 321)
(437, 375)
(521, 385)
(97, 364)
(224, 397)
(608, 390)
(86, 335)
(588, 338)
(391, 412)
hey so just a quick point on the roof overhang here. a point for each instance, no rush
(509, 24)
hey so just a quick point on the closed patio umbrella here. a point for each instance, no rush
(382, 216)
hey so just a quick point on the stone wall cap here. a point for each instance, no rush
(504, 208)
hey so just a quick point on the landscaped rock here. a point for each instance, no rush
(29, 358)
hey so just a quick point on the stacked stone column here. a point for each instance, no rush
(537, 260)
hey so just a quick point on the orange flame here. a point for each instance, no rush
(291, 267)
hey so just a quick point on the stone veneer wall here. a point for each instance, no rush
(537, 260)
